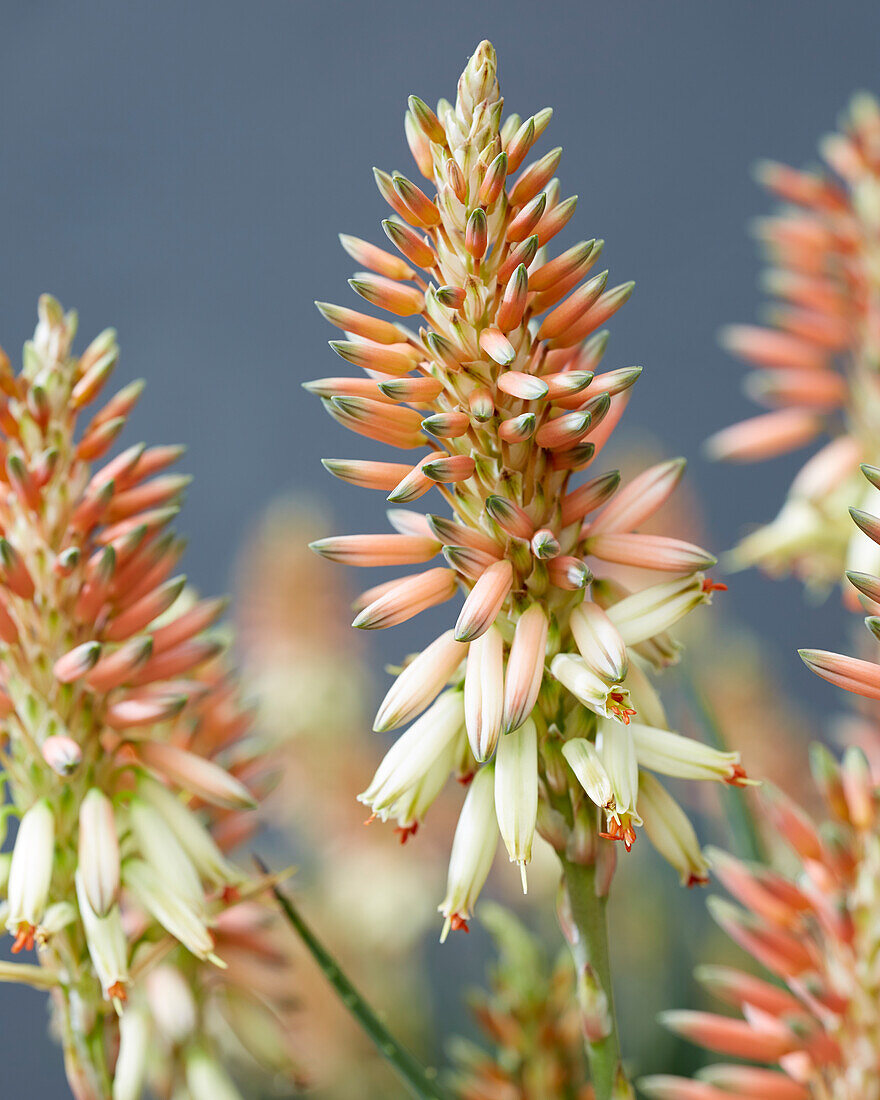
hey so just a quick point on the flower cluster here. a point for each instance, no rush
(120, 726)
(529, 1014)
(816, 1023)
(530, 699)
(817, 362)
(816, 932)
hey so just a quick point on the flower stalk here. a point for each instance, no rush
(584, 921)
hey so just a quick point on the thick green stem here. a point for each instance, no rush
(421, 1081)
(587, 934)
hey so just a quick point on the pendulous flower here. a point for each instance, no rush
(817, 359)
(498, 376)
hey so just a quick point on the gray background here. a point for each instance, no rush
(180, 170)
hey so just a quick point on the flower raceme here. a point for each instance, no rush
(814, 1025)
(816, 363)
(529, 698)
(117, 711)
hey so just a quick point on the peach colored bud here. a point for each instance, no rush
(605, 306)
(395, 425)
(738, 988)
(850, 673)
(568, 573)
(397, 359)
(769, 348)
(195, 774)
(484, 601)
(416, 202)
(513, 302)
(376, 550)
(524, 387)
(367, 475)
(371, 328)
(586, 498)
(564, 430)
(493, 180)
(419, 145)
(452, 297)
(62, 754)
(568, 262)
(524, 253)
(535, 177)
(450, 468)
(447, 425)
(753, 1081)
(555, 220)
(650, 552)
(519, 144)
(420, 682)
(13, 571)
(517, 429)
(764, 436)
(346, 387)
(476, 234)
(496, 345)
(665, 1087)
(140, 614)
(416, 249)
(118, 667)
(525, 667)
(729, 1036)
(484, 693)
(523, 224)
(75, 664)
(640, 499)
(375, 259)
(388, 294)
(555, 324)
(415, 390)
(404, 599)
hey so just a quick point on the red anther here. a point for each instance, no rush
(697, 880)
(118, 992)
(623, 713)
(465, 780)
(370, 819)
(24, 938)
(230, 894)
(458, 924)
(713, 586)
(738, 778)
(617, 831)
(406, 831)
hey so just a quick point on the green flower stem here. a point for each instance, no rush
(589, 945)
(420, 1080)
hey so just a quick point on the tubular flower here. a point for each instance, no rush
(500, 382)
(813, 1024)
(817, 361)
(116, 713)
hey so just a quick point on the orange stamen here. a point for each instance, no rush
(713, 586)
(118, 992)
(24, 938)
(458, 924)
(406, 831)
(738, 777)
